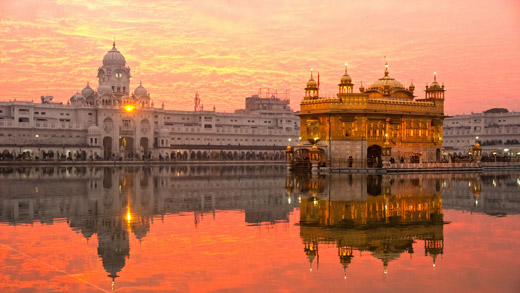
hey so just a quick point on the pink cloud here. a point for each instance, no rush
(227, 50)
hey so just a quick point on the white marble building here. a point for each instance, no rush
(496, 130)
(116, 123)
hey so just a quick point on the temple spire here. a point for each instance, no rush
(386, 67)
(114, 41)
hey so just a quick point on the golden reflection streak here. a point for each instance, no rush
(53, 267)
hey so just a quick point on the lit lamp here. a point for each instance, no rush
(129, 108)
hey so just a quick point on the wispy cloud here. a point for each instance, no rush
(226, 50)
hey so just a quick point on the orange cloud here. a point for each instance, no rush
(226, 50)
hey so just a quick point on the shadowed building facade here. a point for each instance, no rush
(367, 128)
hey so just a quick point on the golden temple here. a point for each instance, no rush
(383, 122)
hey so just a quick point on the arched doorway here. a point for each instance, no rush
(143, 144)
(126, 146)
(107, 147)
(438, 155)
(374, 156)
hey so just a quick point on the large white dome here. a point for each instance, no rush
(114, 58)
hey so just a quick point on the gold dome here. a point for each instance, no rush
(346, 78)
(312, 83)
(386, 81)
(435, 84)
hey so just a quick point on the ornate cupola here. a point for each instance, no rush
(411, 88)
(346, 86)
(311, 91)
(434, 90)
(361, 88)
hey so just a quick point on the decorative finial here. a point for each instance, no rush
(386, 67)
(311, 72)
(140, 82)
(88, 83)
(114, 41)
(346, 65)
(435, 76)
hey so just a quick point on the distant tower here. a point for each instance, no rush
(311, 91)
(435, 90)
(346, 86)
(114, 77)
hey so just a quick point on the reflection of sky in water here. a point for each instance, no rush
(254, 228)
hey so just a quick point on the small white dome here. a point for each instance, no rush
(87, 91)
(140, 91)
(77, 98)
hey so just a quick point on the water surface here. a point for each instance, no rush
(256, 228)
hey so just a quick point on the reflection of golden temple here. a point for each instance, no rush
(386, 220)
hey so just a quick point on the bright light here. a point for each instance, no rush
(128, 216)
(289, 140)
(37, 135)
(346, 64)
(129, 108)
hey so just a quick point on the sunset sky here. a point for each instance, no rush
(227, 50)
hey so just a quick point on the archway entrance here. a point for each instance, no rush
(107, 147)
(374, 156)
(143, 144)
(438, 155)
(126, 146)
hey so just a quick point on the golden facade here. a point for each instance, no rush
(382, 121)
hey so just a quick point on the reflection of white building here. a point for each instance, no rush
(496, 130)
(116, 122)
(119, 204)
